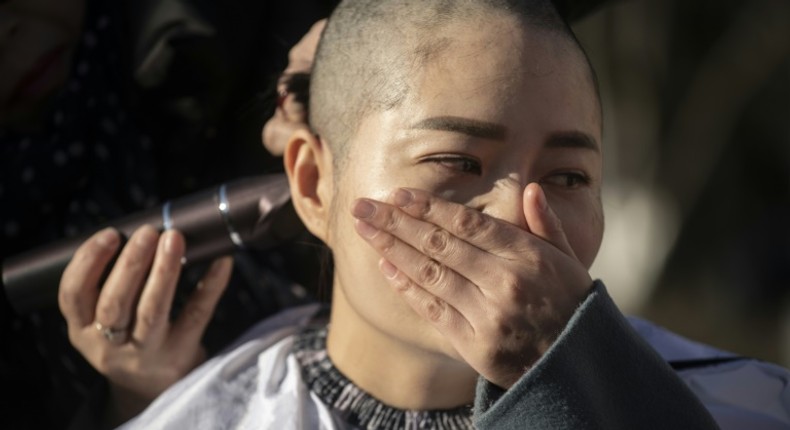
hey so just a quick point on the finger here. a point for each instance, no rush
(300, 57)
(79, 290)
(431, 240)
(472, 229)
(156, 299)
(121, 289)
(429, 274)
(197, 312)
(478, 229)
(447, 319)
(470, 261)
(542, 220)
(294, 111)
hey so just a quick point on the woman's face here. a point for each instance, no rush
(37, 41)
(496, 110)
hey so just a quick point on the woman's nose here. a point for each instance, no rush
(505, 201)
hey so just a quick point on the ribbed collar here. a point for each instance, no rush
(355, 406)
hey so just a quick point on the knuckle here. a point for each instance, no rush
(109, 310)
(424, 207)
(469, 223)
(430, 273)
(166, 268)
(196, 314)
(402, 284)
(528, 256)
(541, 265)
(511, 286)
(386, 243)
(504, 329)
(131, 261)
(149, 316)
(392, 220)
(436, 242)
(502, 326)
(509, 280)
(435, 309)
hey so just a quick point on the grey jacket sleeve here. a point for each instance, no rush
(598, 374)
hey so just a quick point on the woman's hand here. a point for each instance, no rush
(124, 328)
(291, 115)
(501, 295)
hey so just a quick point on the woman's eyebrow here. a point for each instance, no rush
(470, 127)
(572, 139)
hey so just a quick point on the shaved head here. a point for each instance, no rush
(372, 51)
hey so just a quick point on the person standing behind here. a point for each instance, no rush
(107, 108)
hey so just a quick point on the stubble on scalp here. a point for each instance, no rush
(372, 50)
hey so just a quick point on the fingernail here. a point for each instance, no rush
(170, 243)
(363, 209)
(146, 236)
(366, 230)
(388, 269)
(403, 198)
(107, 238)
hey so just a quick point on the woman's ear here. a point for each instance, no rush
(308, 163)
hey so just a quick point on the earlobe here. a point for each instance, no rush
(308, 165)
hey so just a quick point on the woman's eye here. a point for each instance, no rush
(568, 180)
(460, 164)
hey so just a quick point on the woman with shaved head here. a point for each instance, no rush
(453, 167)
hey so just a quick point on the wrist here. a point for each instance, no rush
(122, 405)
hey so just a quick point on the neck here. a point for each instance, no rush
(395, 372)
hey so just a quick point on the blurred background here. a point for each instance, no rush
(697, 166)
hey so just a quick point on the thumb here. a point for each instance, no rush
(542, 221)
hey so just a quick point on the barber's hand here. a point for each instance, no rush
(124, 328)
(290, 114)
(501, 295)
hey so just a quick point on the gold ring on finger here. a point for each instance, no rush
(114, 335)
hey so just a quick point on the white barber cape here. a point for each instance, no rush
(257, 383)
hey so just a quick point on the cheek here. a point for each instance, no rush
(584, 230)
(341, 236)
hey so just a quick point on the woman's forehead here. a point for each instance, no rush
(509, 77)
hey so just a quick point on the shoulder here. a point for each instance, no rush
(218, 393)
(288, 320)
(740, 392)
